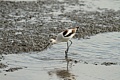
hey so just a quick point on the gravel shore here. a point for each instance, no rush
(27, 26)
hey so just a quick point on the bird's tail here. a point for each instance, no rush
(77, 28)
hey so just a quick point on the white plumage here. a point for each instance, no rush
(65, 36)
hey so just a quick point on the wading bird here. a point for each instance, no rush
(65, 36)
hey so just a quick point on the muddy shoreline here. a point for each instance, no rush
(23, 25)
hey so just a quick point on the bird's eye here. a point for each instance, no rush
(50, 40)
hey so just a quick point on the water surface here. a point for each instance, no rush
(45, 65)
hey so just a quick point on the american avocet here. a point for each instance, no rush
(65, 36)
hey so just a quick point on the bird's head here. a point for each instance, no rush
(52, 41)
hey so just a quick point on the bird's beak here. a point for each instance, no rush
(47, 46)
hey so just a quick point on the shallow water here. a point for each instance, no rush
(108, 4)
(45, 65)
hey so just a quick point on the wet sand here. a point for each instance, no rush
(26, 27)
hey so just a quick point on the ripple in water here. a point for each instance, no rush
(99, 48)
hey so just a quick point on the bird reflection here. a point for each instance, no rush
(64, 74)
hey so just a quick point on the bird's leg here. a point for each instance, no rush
(70, 43)
(66, 51)
(67, 48)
